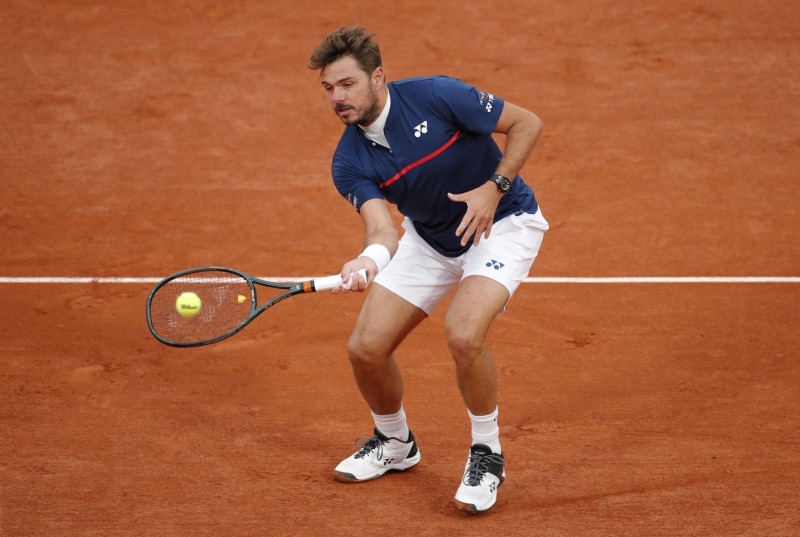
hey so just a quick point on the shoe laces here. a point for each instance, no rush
(478, 465)
(367, 445)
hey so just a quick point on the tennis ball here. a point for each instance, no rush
(188, 304)
(241, 298)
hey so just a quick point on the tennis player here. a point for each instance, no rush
(471, 225)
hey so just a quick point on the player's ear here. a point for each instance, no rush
(378, 77)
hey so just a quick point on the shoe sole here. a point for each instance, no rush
(344, 477)
(469, 508)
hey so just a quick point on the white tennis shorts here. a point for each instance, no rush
(424, 277)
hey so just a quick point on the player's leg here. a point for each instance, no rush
(404, 293)
(475, 305)
(411, 286)
(492, 272)
(385, 320)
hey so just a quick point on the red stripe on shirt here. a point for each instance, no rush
(419, 162)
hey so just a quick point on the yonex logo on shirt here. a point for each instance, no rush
(496, 265)
(421, 129)
(487, 98)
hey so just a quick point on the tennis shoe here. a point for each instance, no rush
(483, 475)
(376, 456)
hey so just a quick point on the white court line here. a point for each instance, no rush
(671, 279)
(545, 279)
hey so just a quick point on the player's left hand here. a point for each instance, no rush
(481, 206)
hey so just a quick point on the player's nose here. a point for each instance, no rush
(338, 95)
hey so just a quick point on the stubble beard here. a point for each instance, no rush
(367, 117)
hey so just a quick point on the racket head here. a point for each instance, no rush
(227, 302)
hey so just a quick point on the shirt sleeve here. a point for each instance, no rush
(475, 110)
(352, 184)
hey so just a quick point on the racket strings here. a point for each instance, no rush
(225, 303)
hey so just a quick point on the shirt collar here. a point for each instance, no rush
(375, 131)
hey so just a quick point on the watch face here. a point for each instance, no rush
(503, 183)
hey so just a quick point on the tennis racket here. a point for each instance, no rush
(205, 305)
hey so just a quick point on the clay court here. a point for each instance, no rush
(140, 138)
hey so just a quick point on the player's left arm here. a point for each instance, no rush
(522, 129)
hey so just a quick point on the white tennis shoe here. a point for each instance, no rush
(378, 455)
(483, 475)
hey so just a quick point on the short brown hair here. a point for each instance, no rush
(356, 42)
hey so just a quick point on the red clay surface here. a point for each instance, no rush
(141, 138)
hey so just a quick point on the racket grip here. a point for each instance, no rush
(329, 282)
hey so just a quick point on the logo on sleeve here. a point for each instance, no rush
(487, 101)
(421, 129)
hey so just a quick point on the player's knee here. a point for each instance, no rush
(463, 342)
(364, 353)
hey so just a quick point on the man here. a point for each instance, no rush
(471, 224)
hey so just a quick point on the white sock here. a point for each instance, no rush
(392, 425)
(485, 430)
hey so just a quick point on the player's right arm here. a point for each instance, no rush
(363, 192)
(380, 238)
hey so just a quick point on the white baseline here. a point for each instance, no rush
(540, 279)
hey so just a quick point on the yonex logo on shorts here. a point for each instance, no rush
(421, 129)
(497, 265)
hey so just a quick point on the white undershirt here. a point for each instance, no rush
(375, 131)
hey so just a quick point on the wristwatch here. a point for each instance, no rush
(503, 183)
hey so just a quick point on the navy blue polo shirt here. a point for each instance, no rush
(440, 133)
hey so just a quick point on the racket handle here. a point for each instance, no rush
(329, 282)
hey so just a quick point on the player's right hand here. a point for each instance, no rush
(351, 276)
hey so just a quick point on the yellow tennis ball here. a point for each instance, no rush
(241, 298)
(188, 304)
